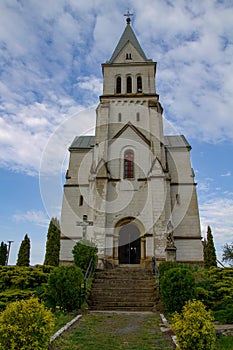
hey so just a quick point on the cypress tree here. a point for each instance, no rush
(24, 252)
(53, 243)
(209, 251)
(3, 254)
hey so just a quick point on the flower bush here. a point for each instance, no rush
(26, 325)
(194, 327)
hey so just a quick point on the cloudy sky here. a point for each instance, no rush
(50, 79)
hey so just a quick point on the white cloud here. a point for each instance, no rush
(218, 213)
(37, 217)
(51, 67)
(228, 173)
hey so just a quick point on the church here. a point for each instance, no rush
(130, 189)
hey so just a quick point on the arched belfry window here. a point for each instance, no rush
(128, 164)
(118, 85)
(139, 84)
(129, 85)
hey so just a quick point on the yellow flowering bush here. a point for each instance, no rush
(194, 327)
(26, 325)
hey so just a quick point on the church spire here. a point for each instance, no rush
(128, 15)
(128, 36)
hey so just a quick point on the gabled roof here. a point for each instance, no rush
(170, 141)
(136, 130)
(83, 142)
(176, 141)
(127, 36)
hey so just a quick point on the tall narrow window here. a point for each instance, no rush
(138, 116)
(139, 84)
(118, 85)
(129, 85)
(119, 117)
(128, 165)
(80, 200)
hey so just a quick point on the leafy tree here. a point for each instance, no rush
(228, 253)
(53, 243)
(83, 251)
(210, 259)
(26, 325)
(3, 254)
(177, 286)
(64, 287)
(24, 252)
(194, 327)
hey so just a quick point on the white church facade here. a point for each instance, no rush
(129, 188)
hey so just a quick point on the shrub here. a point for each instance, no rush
(194, 328)
(167, 265)
(83, 251)
(26, 325)
(177, 287)
(65, 287)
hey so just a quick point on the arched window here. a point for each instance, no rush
(118, 85)
(129, 85)
(139, 84)
(128, 164)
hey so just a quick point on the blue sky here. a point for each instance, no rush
(50, 79)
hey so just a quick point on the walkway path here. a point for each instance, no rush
(115, 331)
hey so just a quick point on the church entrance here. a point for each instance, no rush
(129, 245)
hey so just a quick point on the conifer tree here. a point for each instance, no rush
(228, 253)
(24, 252)
(3, 254)
(209, 251)
(53, 243)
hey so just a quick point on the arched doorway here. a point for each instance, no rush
(129, 244)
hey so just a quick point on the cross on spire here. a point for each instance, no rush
(128, 15)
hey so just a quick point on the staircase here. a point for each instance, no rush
(123, 288)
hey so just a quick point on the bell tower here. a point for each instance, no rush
(131, 187)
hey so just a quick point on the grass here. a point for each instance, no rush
(224, 343)
(62, 318)
(115, 332)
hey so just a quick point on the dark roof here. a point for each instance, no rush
(83, 142)
(171, 141)
(176, 141)
(127, 36)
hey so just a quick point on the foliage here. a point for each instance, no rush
(19, 282)
(228, 253)
(215, 289)
(25, 325)
(167, 265)
(3, 253)
(209, 252)
(64, 287)
(53, 243)
(177, 286)
(83, 251)
(194, 328)
(24, 252)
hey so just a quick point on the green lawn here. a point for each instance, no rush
(115, 332)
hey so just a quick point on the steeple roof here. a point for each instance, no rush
(127, 36)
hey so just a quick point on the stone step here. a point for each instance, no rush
(120, 300)
(123, 289)
(123, 283)
(123, 308)
(122, 304)
(121, 295)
